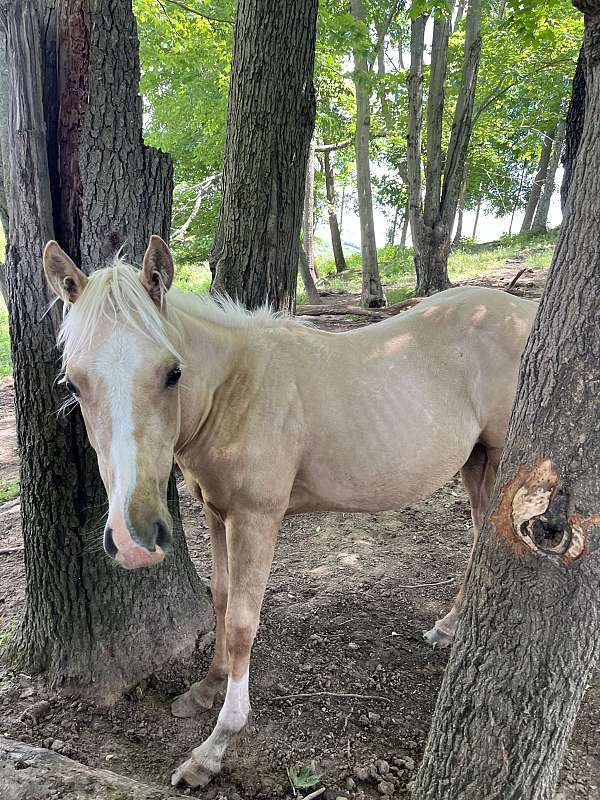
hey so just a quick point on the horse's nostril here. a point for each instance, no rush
(109, 544)
(163, 536)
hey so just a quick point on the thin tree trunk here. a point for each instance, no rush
(392, 228)
(4, 176)
(309, 212)
(307, 279)
(405, 221)
(414, 134)
(528, 641)
(270, 121)
(538, 181)
(575, 119)
(461, 211)
(540, 221)
(336, 238)
(93, 628)
(517, 199)
(475, 224)
(372, 292)
(342, 206)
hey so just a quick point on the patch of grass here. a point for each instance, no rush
(5, 360)
(194, 278)
(8, 491)
(398, 295)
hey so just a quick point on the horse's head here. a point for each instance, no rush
(121, 363)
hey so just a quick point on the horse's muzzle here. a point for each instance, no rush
(141, 549)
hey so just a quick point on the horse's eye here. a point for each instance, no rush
(72, 388)
(173, 376)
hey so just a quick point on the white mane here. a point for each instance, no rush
(116, 293)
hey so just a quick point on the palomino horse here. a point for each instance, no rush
(267, 417)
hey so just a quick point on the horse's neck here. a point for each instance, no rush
(210, 354)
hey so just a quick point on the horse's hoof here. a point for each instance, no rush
(192, 774)
(438, 638)
(186, 705)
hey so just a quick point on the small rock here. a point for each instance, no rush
(382, 767)
(36, 712)
(47, 743)
(26, 693)
(350, 784)
(386, 788)
(362, 773)
(57, 745)
(374, 717)
(352, 646)
(363, 720)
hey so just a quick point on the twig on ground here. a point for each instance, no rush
(516, 278)
(314, 794)
(303, 695)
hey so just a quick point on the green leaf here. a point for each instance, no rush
(303, 779)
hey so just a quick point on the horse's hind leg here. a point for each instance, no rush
(200, 696)
(250, 545)
(478, 476)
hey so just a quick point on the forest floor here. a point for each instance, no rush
(341, 679)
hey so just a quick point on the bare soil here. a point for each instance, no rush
(341, 679)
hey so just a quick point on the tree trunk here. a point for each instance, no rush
(4, 189)
(336, 238)
(270, 121)
(391, 235)
(517, 199)
(432, 225)
(477, 212)
(528, 641)
(308, 216)
(307, 279)
(538, 181)
(575, 118)
(93, 628)
(372, 292)
(540, 221)
(405, 221)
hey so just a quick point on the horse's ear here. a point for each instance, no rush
(64, 278)
(157, 269)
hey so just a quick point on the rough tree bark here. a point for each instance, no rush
(270, 121)
(334, 228)
(307, 279)
(575, 118)
(538, 181)
(92, 627)
(308, 213)
(529, 638)
(432, 220)
(4, 190)
(372, 292)
(540, 221)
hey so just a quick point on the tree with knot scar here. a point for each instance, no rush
(528, 639)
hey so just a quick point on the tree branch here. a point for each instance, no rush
(328, 148)
(199, 13)
(204, 186)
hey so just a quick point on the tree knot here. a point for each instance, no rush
(533, 515)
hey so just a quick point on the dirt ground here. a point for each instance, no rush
(347, 602)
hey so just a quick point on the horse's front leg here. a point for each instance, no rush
(250, 545)
(200, 696)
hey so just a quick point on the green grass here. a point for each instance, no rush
(5, 362)
(471, 260)
(193, 278)
(8, 491)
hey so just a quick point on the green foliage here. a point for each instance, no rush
(8, 491)
(304, 778)
(5, 359)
